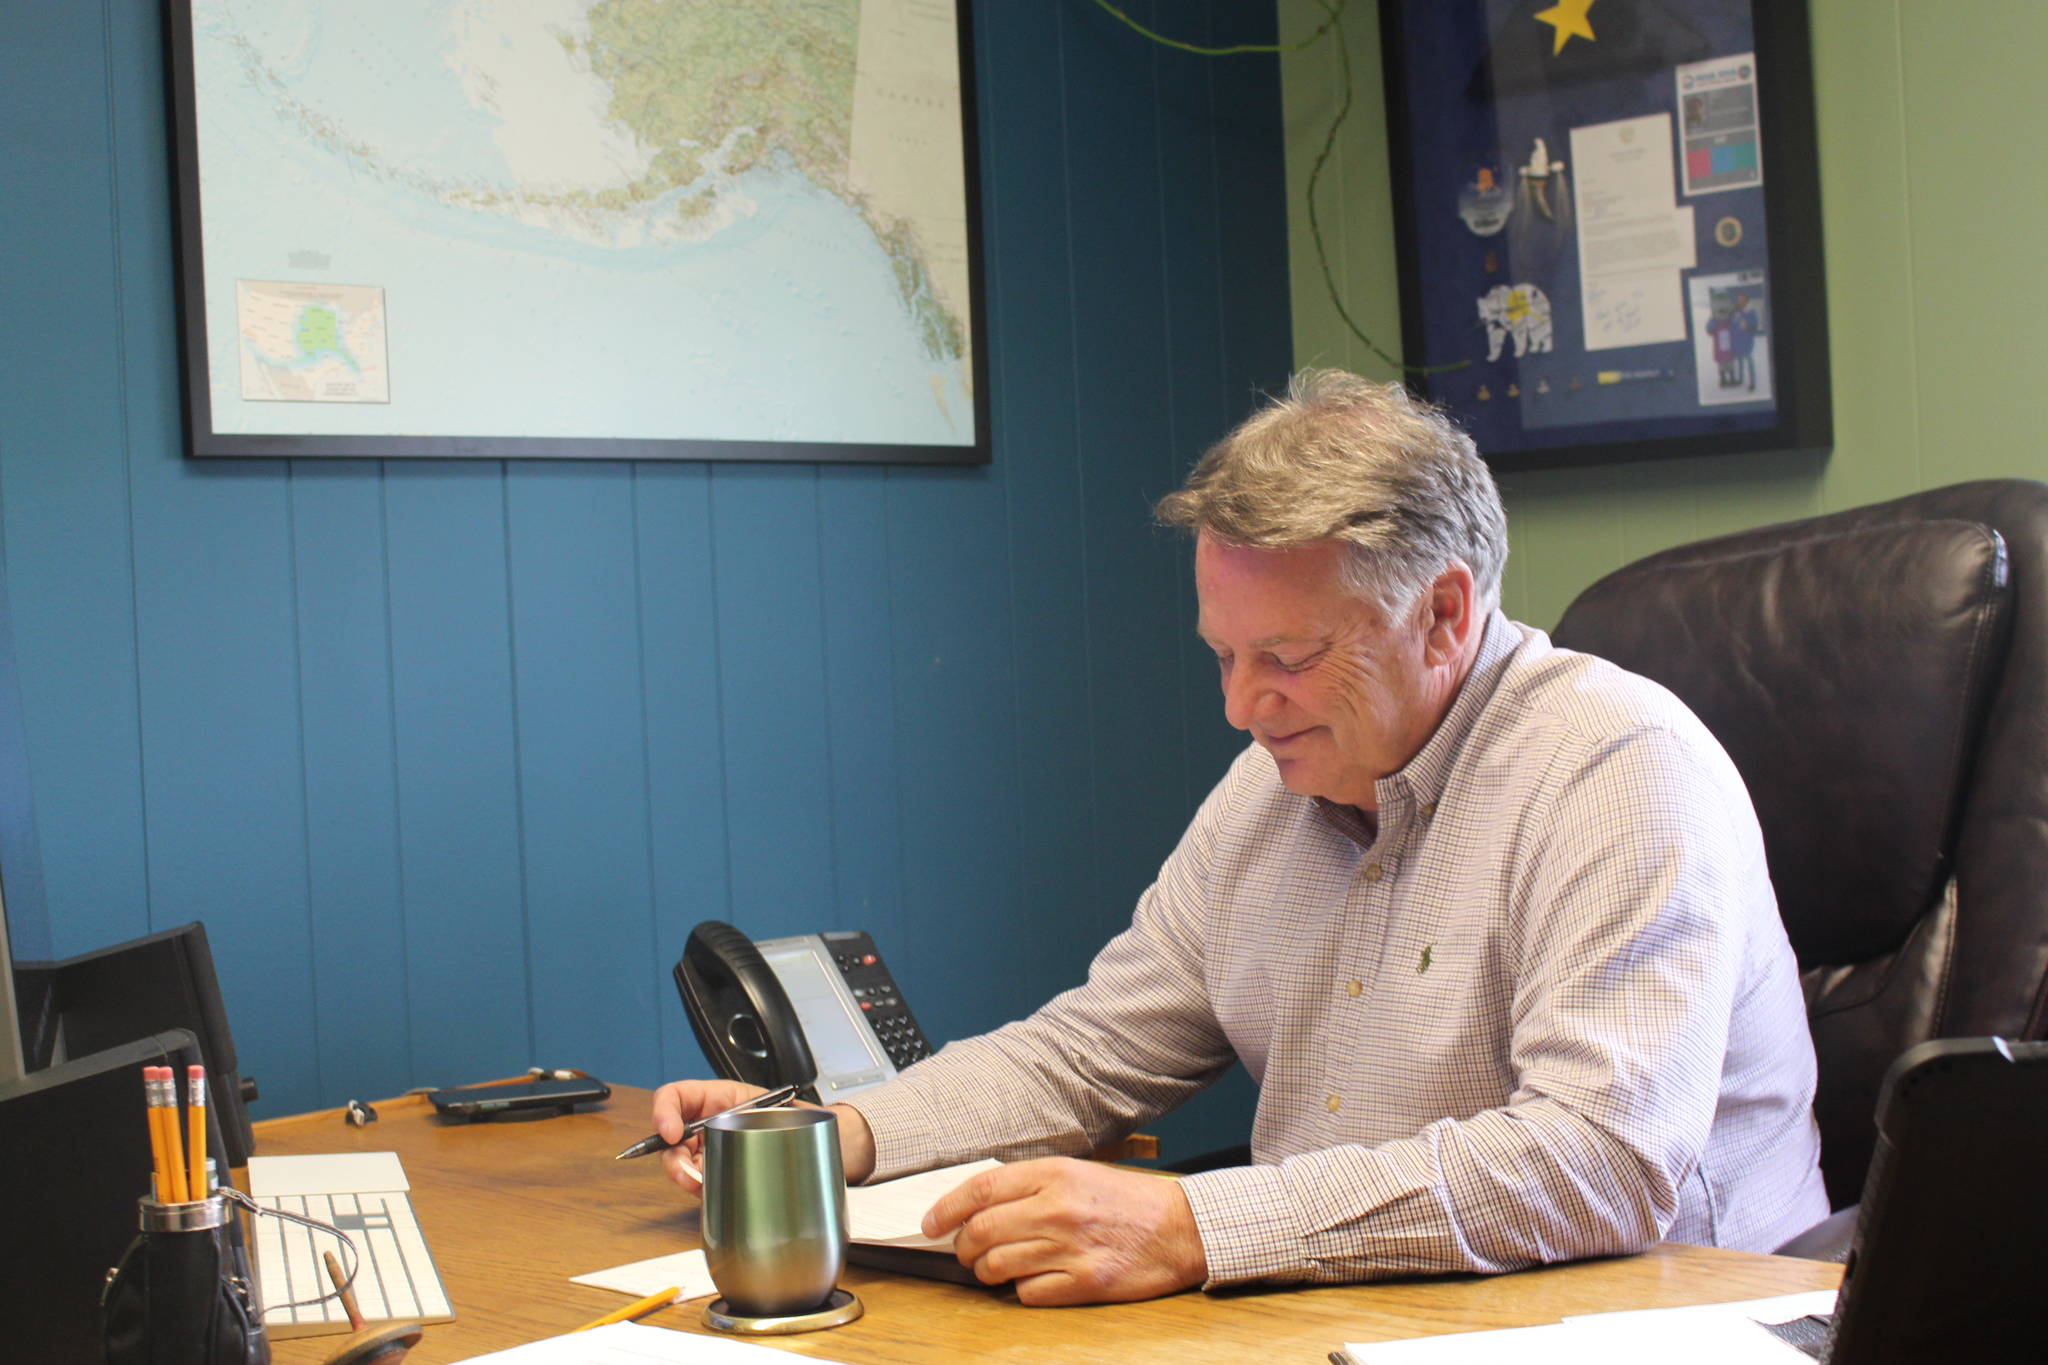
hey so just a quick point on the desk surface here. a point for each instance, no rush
(513, 1208)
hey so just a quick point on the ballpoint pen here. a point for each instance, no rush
(657, 1143)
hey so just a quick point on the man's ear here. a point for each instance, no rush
(1451, 618)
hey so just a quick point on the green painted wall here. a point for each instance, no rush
(1933, 209)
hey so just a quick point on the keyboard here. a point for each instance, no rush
(363, 1194)
(1808, 1335)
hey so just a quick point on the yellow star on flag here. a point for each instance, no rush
(1568, 17)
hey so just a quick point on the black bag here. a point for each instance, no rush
(182, 1293)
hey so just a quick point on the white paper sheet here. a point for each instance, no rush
(1623, 169)
(332, 1173)
(1709, 1334)
(629, 1343)
(1783, 1308)
(1633, 238)
(892, 1213)
(687, 1270)
(1656, 241)
(1632, 309)
(1549, 1345)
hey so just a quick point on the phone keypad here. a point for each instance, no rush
(881, 1003)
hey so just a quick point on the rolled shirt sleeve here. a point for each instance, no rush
(1091, 1066)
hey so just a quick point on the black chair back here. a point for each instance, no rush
(1880, 678)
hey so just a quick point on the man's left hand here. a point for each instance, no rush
(1070, 1231)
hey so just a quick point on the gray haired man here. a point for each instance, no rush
(1488, 921)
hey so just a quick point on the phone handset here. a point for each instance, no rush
(740, 1013)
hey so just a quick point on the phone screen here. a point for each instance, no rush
(841, 1042)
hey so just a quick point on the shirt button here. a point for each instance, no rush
(1335, 1103)
(1354, 988)
(1429, 811)
(1372, 872)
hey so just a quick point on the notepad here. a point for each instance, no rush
(366, 1195)
(1709, 1334)
(687, 1271)
(891, 1214)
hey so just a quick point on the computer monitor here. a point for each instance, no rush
(100, 1000)
(1945, 1261)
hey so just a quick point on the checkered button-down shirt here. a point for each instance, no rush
(1545, 1009)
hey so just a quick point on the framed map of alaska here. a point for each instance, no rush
(602, 229)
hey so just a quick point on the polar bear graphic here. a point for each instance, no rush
(1521, 311)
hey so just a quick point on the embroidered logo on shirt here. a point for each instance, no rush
(1423, 965)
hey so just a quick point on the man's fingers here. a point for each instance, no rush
(1004, 1261)
(1009, 1223)
(678, 1166)
(1066, 1231)
(1053, 1289)
(964, 1200)
(682, 1102)
(668, 1111)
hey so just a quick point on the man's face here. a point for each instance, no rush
(1339, 697)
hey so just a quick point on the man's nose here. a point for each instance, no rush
(1242, 692)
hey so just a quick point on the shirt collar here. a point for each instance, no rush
(1423, 778)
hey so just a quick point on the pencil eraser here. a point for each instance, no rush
(195, 1073)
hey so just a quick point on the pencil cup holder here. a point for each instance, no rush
(181, 1294)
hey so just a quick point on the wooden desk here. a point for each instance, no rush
(512, 1209)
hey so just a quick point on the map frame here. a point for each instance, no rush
(192, 266)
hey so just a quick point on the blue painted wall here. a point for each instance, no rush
(450, 756)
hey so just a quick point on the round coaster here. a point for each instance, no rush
(840, 1309)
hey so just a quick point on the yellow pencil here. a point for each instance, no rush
(195, 1130)
(634, 1310)
(159, 1159)
(174, 1142)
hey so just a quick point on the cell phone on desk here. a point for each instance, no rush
(820, 1010)
(484, 1101)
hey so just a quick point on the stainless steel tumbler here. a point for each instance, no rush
(774, 1209)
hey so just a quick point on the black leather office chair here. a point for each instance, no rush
(1880, 677)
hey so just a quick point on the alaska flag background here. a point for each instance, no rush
(1631, 38)
(1472, 85)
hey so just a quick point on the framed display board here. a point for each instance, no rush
(602, 229)
(1608, 225)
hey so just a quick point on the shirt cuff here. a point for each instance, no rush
(901, 1122)
(1244, 1215)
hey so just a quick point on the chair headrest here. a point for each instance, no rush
(1847, 673)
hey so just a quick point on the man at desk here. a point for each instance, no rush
(1488, 921)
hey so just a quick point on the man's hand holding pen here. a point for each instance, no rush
(680, 1103)
(1064, 1231)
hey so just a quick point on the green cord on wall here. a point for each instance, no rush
(1332, 23)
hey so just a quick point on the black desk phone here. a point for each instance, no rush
(819, 1010)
